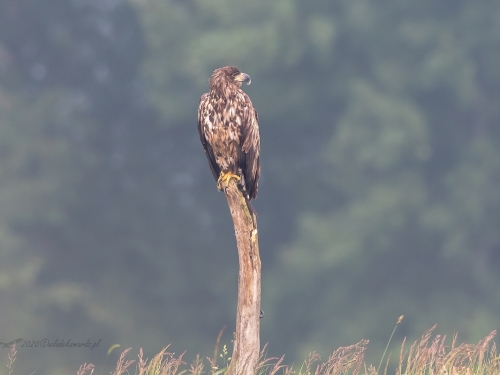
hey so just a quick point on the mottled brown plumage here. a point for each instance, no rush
(229, 130)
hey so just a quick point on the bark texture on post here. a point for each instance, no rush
(246, 348)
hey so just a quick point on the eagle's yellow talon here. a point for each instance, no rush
(224, 179)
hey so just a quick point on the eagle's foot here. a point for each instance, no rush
(224, 179)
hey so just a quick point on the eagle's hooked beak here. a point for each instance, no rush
(243, 77)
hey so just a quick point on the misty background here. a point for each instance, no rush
(380, 187)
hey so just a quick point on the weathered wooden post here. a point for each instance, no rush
(247, 338)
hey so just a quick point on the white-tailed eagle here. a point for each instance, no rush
(229, 131)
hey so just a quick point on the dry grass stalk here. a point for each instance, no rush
(122, 365)
(84, 368)
(266, 365)
(308, 363)
(217, 343)
(142, 363)
(196, 368)
(344, 360)
(371, 370)
(163, 363)
(11, 358)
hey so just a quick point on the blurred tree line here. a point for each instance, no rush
(379, 193)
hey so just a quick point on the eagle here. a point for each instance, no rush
(228, 126)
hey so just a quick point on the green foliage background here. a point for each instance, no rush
(380, 188)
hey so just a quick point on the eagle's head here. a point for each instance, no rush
(228, 78)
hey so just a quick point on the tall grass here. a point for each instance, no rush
(427, 356)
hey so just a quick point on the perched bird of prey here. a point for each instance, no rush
(229, 131)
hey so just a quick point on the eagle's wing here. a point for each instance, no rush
(202, 108)
(250, 147)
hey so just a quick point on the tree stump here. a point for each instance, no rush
(246, 347)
